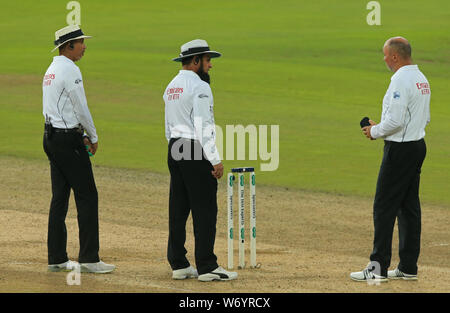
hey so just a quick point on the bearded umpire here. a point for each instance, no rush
(194, 164)
(69, 128)
(406, 113)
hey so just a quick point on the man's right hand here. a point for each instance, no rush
(93, 147)
(218, 171)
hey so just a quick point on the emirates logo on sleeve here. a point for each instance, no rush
(424, 88)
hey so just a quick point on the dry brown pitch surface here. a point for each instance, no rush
(307, 242)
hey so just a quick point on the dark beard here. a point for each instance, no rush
(203, 76)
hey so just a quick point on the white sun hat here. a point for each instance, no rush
(194, 47)
(68, 33)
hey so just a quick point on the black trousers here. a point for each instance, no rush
(192, 189)
(397, 196)
(71, 168)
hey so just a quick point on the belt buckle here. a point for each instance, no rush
(80, 129)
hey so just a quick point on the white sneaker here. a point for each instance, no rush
(99, 267)
(398, 274)
(188, 272)
(67, 266)
(368, 275)
(218, 274)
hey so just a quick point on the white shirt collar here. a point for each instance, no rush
(405, 68)
(63, 58)
(190, 73)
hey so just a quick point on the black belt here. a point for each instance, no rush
(68, 130)
(388, 142)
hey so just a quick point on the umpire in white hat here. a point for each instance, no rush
(194, 164)
(69, 128)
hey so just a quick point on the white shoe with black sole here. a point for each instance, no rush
(368, 275)
(188, 272)
(218, 274)
(63, 267)
(97, 268)
(398, 274)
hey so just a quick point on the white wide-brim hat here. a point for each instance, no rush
(194, 47)
(68, 33)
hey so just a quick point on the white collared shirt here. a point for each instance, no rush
(406, 107)
(189, 112)
(64, 100)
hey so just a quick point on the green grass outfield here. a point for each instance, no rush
(314, 68)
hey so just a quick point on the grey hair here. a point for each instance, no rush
(401, 47)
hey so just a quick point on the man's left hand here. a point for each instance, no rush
(91, 147)
(218, 170)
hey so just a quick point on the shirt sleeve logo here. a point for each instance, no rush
(77, 81)
(174, 93)
(424, 88)
(396, 95)
(202, 95)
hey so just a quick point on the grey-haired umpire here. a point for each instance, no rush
(194, 164)
(405, 114)
(69, 128)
